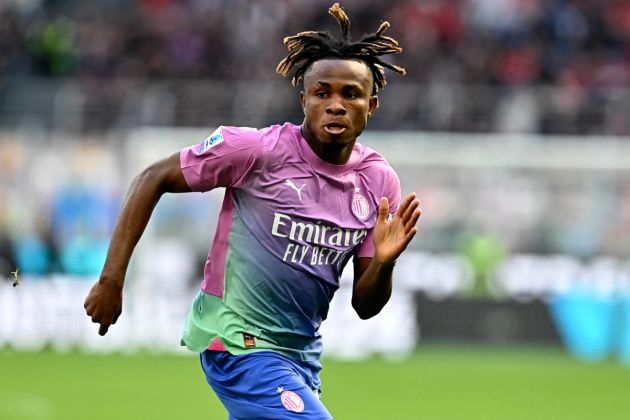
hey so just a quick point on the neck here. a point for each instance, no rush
(336, 154)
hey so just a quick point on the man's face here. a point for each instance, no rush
(337, 100)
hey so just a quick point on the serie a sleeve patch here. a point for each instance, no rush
(213, 139)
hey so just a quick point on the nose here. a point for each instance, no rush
(335, 106)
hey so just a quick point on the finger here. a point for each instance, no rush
(411, 223)
(383, 210)
(116, 317)
(411, 218)
(86, 303)
(410, 210)
(409, 235)
(88, 309)
(103, 329)
(406, 202)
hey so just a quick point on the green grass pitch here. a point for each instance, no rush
(437, 382)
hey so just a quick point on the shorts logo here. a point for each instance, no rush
(292, 401)
(360, 206)
(213, 139)
(248, 341)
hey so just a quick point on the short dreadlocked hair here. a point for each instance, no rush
(307, 47)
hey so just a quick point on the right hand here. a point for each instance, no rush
(391, 236)
(104, 304)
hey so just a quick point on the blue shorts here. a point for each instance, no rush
(264, 385)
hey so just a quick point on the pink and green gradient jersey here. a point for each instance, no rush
(288, 225)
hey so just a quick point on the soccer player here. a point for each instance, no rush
(300, 202)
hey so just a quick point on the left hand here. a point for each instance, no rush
(391, 237)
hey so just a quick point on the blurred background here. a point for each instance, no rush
(512, 125)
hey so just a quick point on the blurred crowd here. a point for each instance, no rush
(57, 209)
(502, 42)
(578, 50)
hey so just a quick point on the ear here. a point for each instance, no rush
(302, 100)
(373, 104)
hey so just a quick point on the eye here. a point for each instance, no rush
(351, 95)
(321, 94)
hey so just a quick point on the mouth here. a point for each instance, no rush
(335, 128)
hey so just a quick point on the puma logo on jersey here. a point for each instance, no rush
(291, 184)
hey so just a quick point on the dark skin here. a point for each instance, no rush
(337, 101)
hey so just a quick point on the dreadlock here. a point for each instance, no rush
(307, 47)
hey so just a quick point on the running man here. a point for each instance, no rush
(300, 202)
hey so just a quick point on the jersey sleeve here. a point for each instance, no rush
(224, 159)
(393, 194)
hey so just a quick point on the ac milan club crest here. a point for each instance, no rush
(360, 206)
(292, 401)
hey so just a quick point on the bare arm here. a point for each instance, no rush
(373, 276)
(104, 302)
